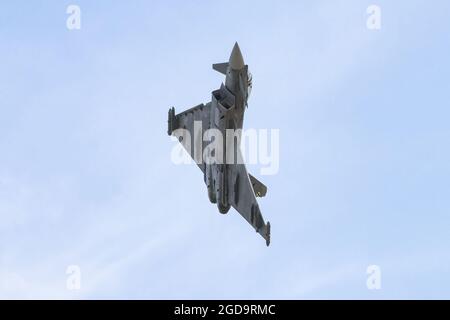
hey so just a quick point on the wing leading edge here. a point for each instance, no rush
(185, 120)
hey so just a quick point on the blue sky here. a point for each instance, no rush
(85, 171)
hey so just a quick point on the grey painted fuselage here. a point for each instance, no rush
(228, 182)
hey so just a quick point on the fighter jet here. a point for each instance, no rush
(228, 182)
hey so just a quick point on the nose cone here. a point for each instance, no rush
(236, 59)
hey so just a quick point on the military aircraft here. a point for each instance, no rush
(228, 182)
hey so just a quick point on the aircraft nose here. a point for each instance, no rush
(236, 59)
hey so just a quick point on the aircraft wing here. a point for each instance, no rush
(195, 121)
(242, 198)
(243, 188)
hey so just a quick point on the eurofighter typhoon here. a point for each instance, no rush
(225, 175)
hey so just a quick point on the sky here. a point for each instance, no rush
(86, 177)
